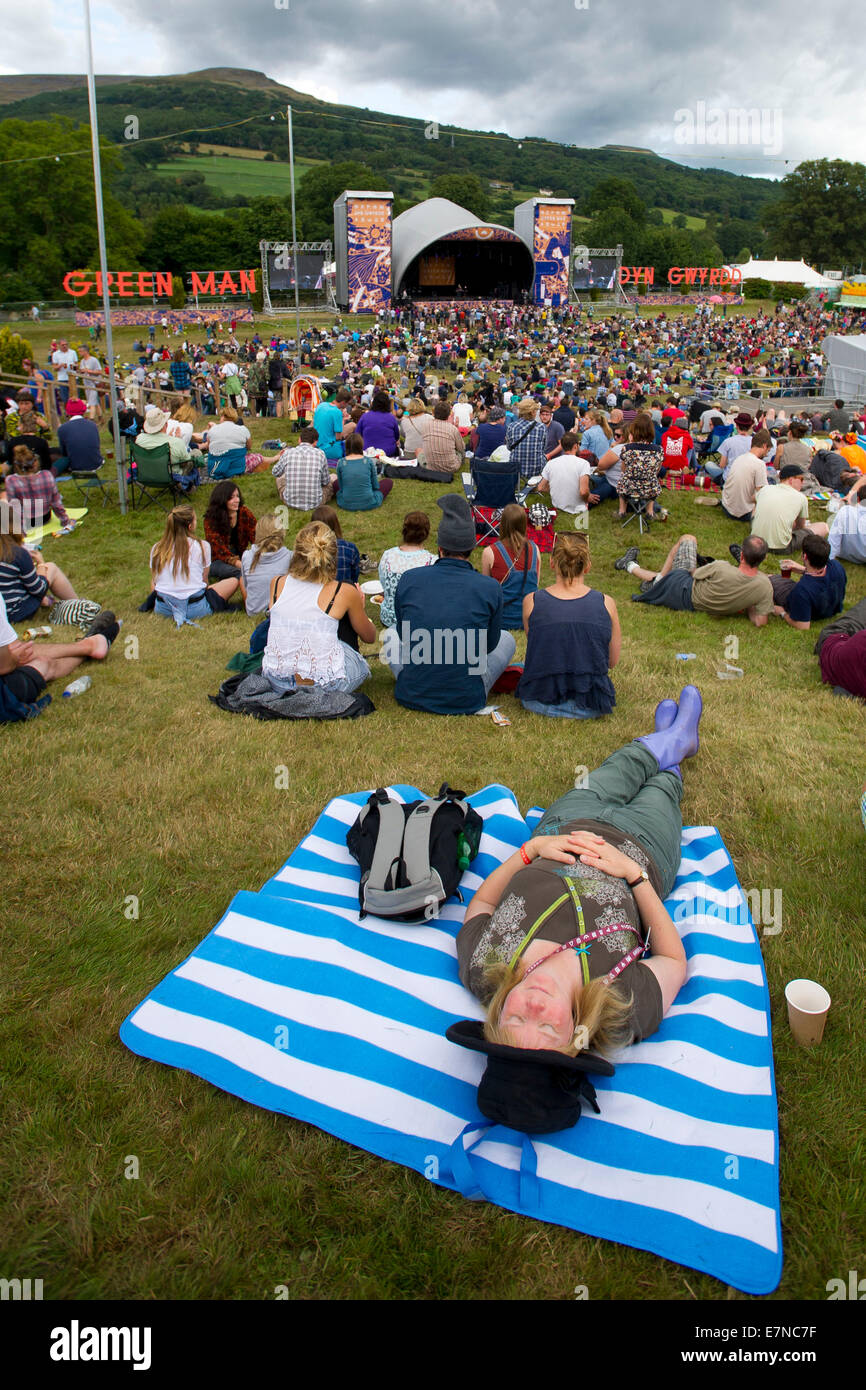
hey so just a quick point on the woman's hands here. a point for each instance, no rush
(586, 847)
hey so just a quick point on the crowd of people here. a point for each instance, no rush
(583, 411)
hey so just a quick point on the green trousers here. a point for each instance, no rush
(630, 793)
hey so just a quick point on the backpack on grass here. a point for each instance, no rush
(412, 855)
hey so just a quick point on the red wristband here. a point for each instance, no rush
(524, 856)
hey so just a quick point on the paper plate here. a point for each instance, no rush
(372, 586)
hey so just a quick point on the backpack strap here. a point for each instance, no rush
(389, 842)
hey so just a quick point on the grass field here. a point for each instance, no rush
(694, 224)
(236, 174)
(141, 787)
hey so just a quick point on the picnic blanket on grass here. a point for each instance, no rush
(36, 535)
(294, 1004)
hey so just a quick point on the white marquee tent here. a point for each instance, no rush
(846, 367)
(788, 273)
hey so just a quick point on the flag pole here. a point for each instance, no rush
(294, 240)
(103, 260)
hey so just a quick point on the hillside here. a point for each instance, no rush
(245, 110)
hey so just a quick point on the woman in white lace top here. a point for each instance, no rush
(307, 604)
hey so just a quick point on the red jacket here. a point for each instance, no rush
(220, 541)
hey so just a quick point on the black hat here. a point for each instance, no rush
(456, 529)
(536, 1091)
(790, 470)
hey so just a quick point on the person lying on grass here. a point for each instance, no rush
(686, 585)
(602, 861)
(25, 669)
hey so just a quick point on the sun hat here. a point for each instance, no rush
(743, 421)
(155, 420)
(536, 1091)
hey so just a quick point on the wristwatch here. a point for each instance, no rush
(643, 877)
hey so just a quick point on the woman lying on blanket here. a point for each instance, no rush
(552, 940)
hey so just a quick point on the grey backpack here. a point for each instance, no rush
(412, 855)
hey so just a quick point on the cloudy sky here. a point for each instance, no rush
(669, 77)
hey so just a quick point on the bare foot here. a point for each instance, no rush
(97, 648)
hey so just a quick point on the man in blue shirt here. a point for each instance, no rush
(81, 451)
(821, 591)
(448, 649)
(329, 424)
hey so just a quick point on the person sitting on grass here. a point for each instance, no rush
(604, 858)
(28, 430)
(34, 490)
(745, 478)
(228, 434)
(265, 560)
(847, 534)
(27, 585)
(715, 587)
(573, 640)
(821, 591)
(180, 569)
(400, 558)
(447, 648)
(841, 652)
(515, 563)
(359, 487)
(378, 426)
(567, 478)
(26, 669)
(303, 643)
(229, 528)
(348, 554)
(781, 514)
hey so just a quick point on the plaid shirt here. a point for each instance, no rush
(304, 472)
(38, 495)
(530, 453)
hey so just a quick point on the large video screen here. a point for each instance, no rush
(600, 274)
(281, 277)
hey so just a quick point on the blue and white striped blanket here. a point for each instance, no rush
(294, 1004)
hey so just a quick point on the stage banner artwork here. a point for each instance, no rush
(853, 294)
(437, 270)
(362, 241)
(545, 225)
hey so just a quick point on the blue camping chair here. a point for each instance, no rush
(231, 464)
(716, 439)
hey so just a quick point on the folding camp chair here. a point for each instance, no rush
(231, 464)
(491, 487)
(151, 473)
(636, 507)
(718, 436)
(88, 479)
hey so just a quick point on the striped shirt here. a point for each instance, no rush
(20, 585)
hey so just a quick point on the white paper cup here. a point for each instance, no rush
(808, 1003)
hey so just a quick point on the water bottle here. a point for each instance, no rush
(77, 687)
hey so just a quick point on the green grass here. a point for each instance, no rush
(143, 787)
(233, 175)
(694, 224)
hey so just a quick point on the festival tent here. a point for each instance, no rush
(787, 273)
(846, 366)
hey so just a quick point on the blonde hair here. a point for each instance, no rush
(186, 414)
(173, 549)
(570, 555)
(527, 408)
(598, 417)
(597, 1008)
(417, 407)
(315, 556)
(228, 412)
(270, 537)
